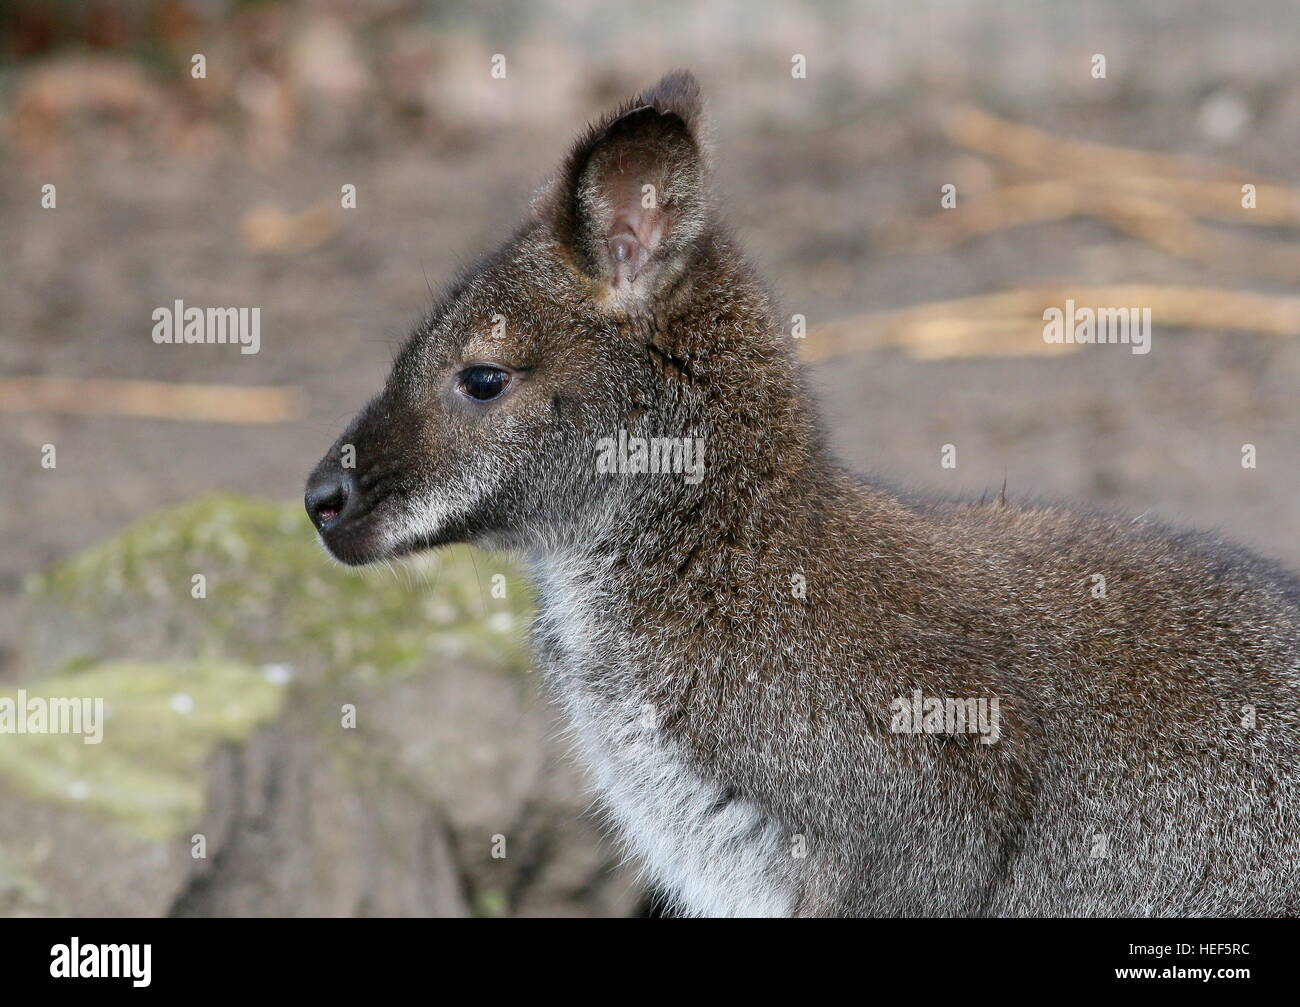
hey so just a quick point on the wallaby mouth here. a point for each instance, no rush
(346, 521)
(360, 520)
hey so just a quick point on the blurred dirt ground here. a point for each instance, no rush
(225, 191)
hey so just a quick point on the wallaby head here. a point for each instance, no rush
(619, 308)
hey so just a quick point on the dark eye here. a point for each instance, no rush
(483, 382)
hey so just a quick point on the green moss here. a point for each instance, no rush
(181, 674)
(491, 903)
(272, 595)
(161, 723)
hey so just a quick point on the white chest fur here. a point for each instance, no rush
(718, 854)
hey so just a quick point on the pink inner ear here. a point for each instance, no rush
(633, 238)
(627, 254)
(634, 231)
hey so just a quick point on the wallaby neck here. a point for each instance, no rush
(762, 505)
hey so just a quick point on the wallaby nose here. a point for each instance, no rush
(327, 497)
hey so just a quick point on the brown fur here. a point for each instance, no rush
(741, 732)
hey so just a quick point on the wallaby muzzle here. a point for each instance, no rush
(347, 494)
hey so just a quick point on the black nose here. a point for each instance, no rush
(327, 497)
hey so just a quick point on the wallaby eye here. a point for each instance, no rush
(482, 382)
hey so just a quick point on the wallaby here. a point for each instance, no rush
(800, 692)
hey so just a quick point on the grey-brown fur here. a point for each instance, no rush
(741, 734)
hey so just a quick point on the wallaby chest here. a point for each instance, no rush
(718, 853)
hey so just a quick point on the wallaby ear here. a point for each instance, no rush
(630, 202)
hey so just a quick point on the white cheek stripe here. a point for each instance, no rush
(430, 515)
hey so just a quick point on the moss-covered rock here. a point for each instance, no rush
(271, 595)
(224, 699)
(161, 724)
